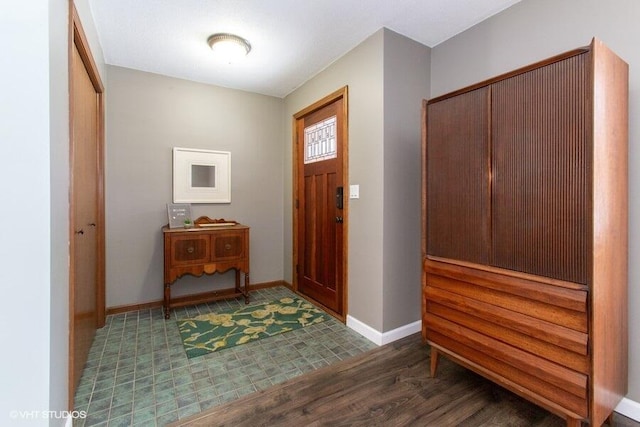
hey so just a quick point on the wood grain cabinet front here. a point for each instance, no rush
(190, 249)
(228, 246)
(525, 216)
(199, 251)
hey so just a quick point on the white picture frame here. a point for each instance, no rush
(201, 176)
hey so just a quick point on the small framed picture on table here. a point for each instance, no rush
(179, 214)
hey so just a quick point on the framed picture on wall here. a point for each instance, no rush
(201, 176)
(178, 213)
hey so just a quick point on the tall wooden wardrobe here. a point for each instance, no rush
(525, 231)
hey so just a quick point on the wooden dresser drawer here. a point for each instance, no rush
(510, 367)
(538, 320)
(565, 306)
(532, 334)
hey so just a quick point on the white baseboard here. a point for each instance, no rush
(401, 332)
(382, 338)
(629, 409)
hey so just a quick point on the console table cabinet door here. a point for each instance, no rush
(190, 250)
(228, 246)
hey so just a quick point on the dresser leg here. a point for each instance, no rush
(167, 300)
(573, 422)
(434, 362)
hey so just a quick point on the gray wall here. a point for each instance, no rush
(147, 115)
(533, 30)
(406, 84)
(362, 70)
(387, 76)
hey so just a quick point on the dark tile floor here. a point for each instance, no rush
(138, 373)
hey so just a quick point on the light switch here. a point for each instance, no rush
(354, 191)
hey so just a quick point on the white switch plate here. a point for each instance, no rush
(354, 191)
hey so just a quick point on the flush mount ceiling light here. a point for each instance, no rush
(228, 47)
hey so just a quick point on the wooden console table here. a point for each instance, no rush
(209, 250)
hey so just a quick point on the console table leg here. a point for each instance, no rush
(167, 300)
(238, 280)
(246, 288)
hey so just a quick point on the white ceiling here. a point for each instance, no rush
(292, 40)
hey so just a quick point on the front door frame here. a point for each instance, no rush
(297, 164)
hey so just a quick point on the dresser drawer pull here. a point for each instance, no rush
(190, 249)
(227, 247)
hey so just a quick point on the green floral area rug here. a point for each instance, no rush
(216, 331)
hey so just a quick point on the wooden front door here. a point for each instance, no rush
(321, 202)
(86, 287)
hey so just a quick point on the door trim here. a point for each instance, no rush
(77, 36)
(344, 120)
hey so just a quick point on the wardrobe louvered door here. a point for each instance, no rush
(541, 165)
(458, 178)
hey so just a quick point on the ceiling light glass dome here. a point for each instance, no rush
(228, 47)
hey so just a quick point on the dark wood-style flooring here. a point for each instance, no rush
(387, 386)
